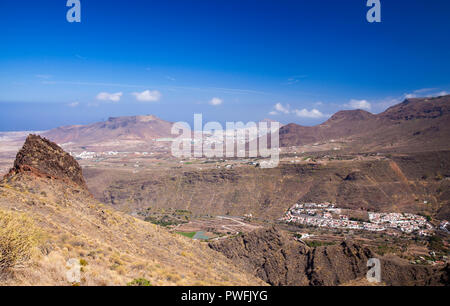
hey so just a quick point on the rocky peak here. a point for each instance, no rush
(419, 108)
(43, 157)
(351, 115)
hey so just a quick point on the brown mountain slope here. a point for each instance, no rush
(399, 183)
(279, 260)
(112, 247)
(340, 125)
(414, 125)
(135, 128)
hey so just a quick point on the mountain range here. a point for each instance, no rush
(134, 128)
(419, 124)
(413, 125)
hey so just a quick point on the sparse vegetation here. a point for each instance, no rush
(385, 248)
(439, 177)
(316, 243)
(140, 282)
(19, 239)
(436, 244)
(165, 221)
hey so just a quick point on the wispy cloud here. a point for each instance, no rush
(73, 104)
(76, 83)
(113, 97)
(237, 91)
(216, 101)
(295, 79)
(80, 57)
(147, 96)
(424, 90)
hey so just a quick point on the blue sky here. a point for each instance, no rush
(292, 61)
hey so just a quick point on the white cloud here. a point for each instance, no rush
(303, 113)
(410, 96)
(216, 101)
(359, 104)
(74, 104)
(282, 109)
(314, 113)
(114, 97)
(442, 93)
(147, 96)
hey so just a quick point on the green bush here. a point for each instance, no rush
(140, 282)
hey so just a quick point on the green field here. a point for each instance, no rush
(189, 235)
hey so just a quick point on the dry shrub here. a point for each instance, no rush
(19, 238)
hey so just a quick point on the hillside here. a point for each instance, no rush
(281, 261)
(414, 125)
(401, 182)
(120, 131)
(45, 188)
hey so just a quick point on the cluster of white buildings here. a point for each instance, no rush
(85, 155)
(405, 222)
(92, 155)
(329, 216)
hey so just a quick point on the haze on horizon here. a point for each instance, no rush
(290, 61)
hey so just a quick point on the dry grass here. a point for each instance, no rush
(115, 248)
(19, 238)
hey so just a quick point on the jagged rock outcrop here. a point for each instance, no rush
(279, 260)
(45, 158)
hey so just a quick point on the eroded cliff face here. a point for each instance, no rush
(279, 260)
